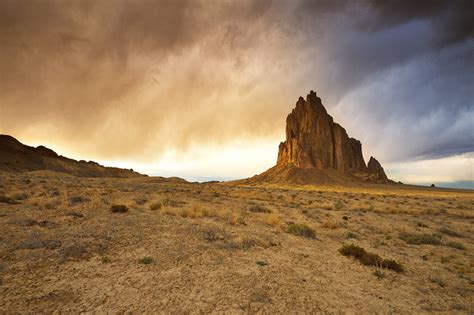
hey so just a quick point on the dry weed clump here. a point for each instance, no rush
(156, 206)
(214, 233)
(234, 218)
(119, 208)
(259, 209)
(5, 199)
(450, 232)
(167, 203)
(146, 260)
(301, 230)
(369, 259)
(331, 223)
(195, 212)
(339, 205)
(77, 199)
(419, 239)
(272, 219)
(456, 245)
(74, 251)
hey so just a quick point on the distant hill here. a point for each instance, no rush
(17, 157)
(318, 151)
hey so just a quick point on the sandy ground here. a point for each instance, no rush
(191, 248)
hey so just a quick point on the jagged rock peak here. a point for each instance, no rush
(376, 170)
(313, 140)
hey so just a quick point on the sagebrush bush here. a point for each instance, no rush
(156, 206)
(5, 199)
(146, 260)
(456, 245)
(419, 239)
(450, 232)
(369, 259)
(301, 230)
(259, 209)
(77, 199)
(119, 208)
(105, 259)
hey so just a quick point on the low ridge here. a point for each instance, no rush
(17, 157)
(318, 150)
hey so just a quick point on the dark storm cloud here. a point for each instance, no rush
(389, 65)
(137, 78)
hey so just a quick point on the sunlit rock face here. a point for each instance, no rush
(315, 141)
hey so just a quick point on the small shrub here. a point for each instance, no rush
(20, 196)
(213, 234)
(146, 260)
(446, 259)
(105, 259)
(351, 235)
(259, 209)
(456, 245)
(36, 244)
(235, 218)
(72, 251)
(119, 208)
(379, 273)
(77, 199)
(272, 219)
(196, 211)
(369, 259)
(156, 206)
(419, 239)
(262, 263)
(301, 230)
(140, 201)
(450, 232)
(173, 203)
(421, 224)
(5, 199)
(438, 281)
(330, 224)
(339, 205)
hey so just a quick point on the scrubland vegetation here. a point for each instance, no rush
(149, 244)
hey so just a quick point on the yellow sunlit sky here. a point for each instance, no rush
(201, 89)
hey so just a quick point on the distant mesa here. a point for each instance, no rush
(318, 150)
(17, 157)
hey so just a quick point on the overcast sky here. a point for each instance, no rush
(201, 89)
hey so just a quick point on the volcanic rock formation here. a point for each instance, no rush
(17, 157)
(318, 149)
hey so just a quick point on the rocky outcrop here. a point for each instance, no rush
(318, 148)
(17, 157)
(376, 170)
(314, 140)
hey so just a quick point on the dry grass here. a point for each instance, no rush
(62, 249)
(272, 219)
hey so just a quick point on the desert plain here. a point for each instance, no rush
(152, 244)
